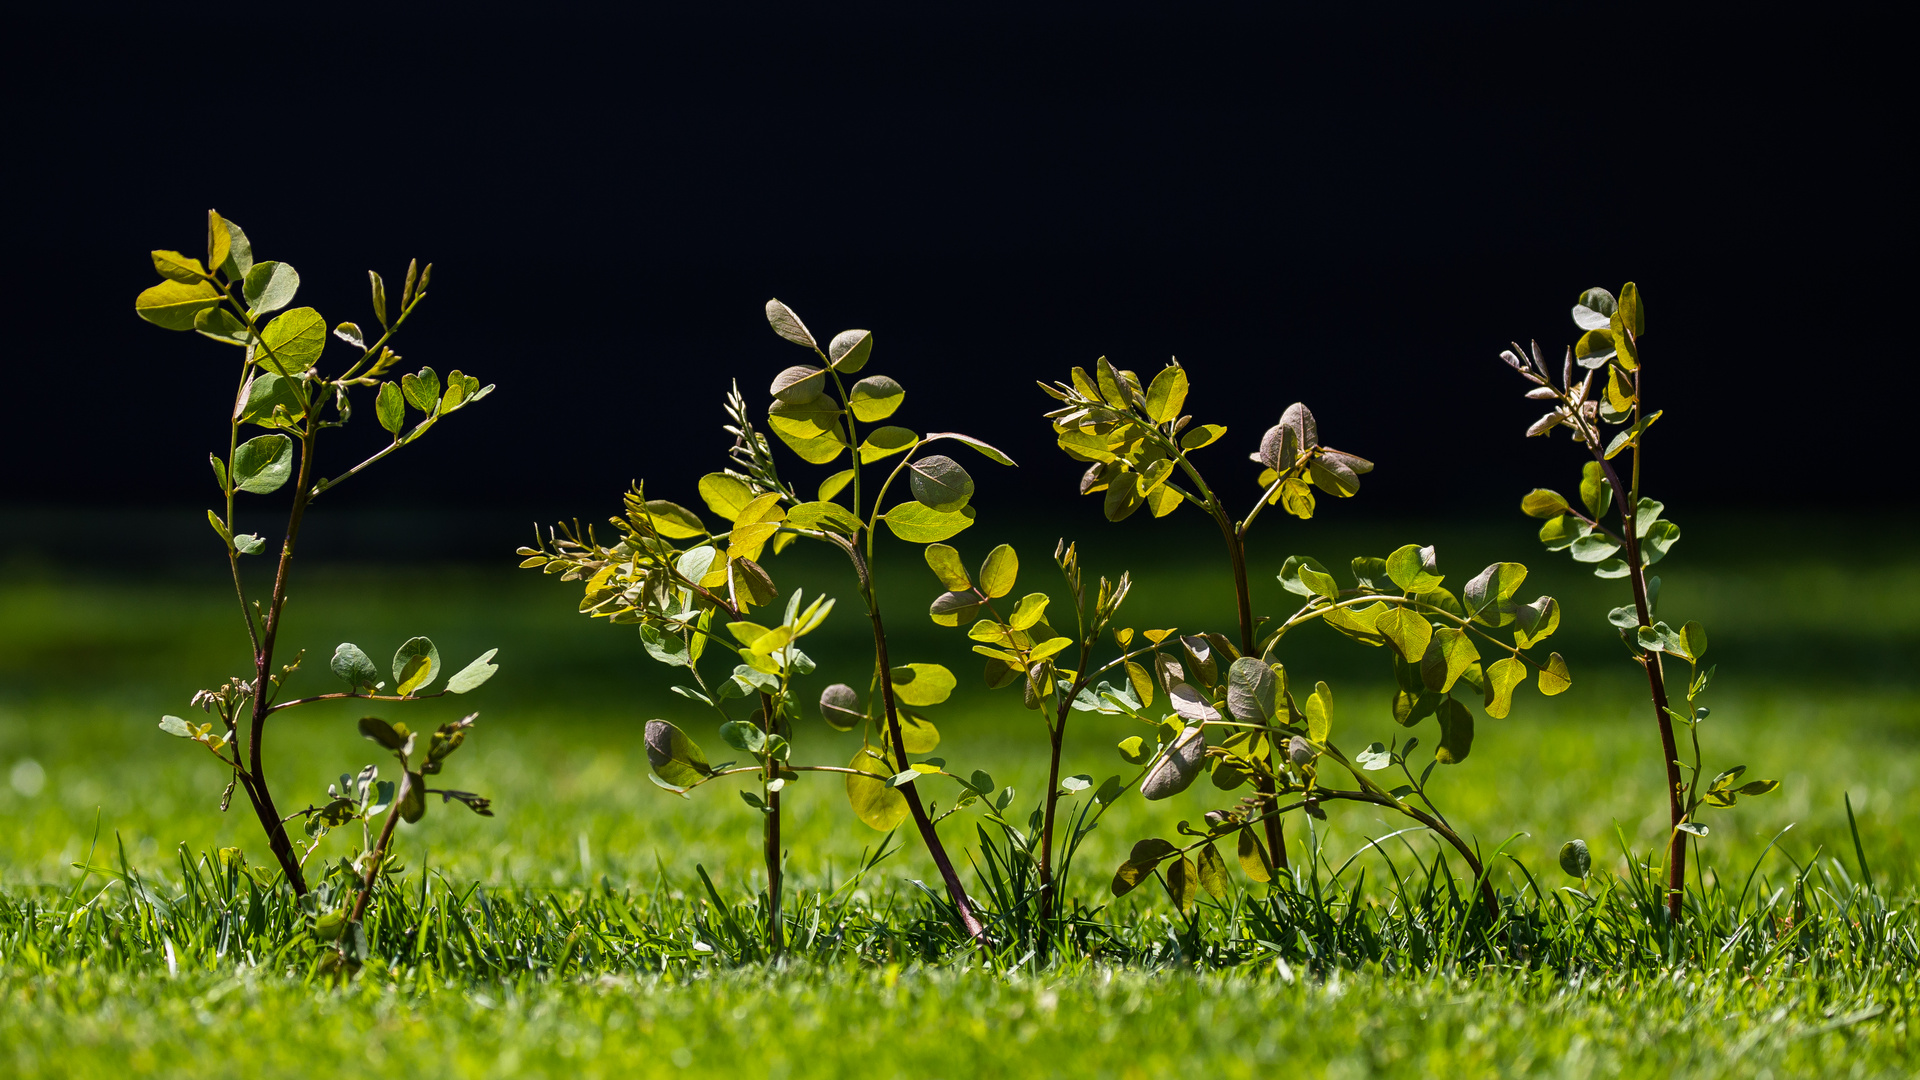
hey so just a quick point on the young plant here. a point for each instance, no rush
(242, 302)
(1138, 446)
(691, 590)
(1624, 533)
(362, 799)
(1021, 646)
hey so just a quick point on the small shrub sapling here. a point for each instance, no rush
(240, 301)
(1138, 446)
(1622, 533)
(692, 591)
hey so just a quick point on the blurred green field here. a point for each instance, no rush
(1815, 632)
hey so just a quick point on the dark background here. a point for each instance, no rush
(1354, 211)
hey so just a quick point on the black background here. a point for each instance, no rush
(1354, 211)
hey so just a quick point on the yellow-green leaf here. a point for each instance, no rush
(1167, 394)
(999, 572)
(918, 523)
(1554, 677)
(921, 685)
(172, 305)
(881, 807)
(945, 563)
(874, 398)
(292, 342)
(725, 495)
(1320, 713)
(1502, 676)
(885, 442)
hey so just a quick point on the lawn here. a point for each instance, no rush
(573, 933)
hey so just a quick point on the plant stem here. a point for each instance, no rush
(1058, 734)
(776, 937)
(261, 796)
(1237, 553)
(380, 848)
(956, 891)
(1627, 499)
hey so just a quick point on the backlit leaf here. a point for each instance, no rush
(270, 286)
(885, 442)
(999, 572)
(876, 803)
(354, 666)
(874, 398)
(415, 665)
(945, 563)
(799, 384)
(474, 674)
(1502, 676)
(849, 350)
(724, 495)
(1456, 733)
(172, 305)
(1167, 394)
(674, 757)
(920, 524)
(921, 685)
(1554, 677)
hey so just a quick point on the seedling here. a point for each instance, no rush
(1623, 533)
(1138, 446)
(691, 590)
(237, 300)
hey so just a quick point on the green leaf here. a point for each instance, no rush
(1304, 575)
(1693, 642)
(1501, 677)
(1456, 733)
(177, 267)
(945, 563)
(292, 342)
(1541, 503)
(353, 665)
(474, 674)
(918, 734)
(1447, 658)
(675, 758)
(1202, 435)
(834, 484)
(1563, 532)
(1140, 864)
(874, 801)
(989, 452)
(1594, 348)
(390, 407)
(269, 286)
(379, 287)
(1554, 677)
(172, 305)
(799, 384)
(415, 665)
(1595, 490)
(724, 494)
(1407, 631)
(1631, 436)
(849, 350)
(1489, 596)
(1000, 570)
(1178, 766)
(1631, 315)
(884, 442)
(1536, 622)
(1415, 569)
(1029, 611)
(788, 325)
(939, 483)
(1167, 394)
(175, 726)
(1252, 690)
(261, 465)
(921, 685)
(673, 521)
(825, 515)
(1319, 711)
(372, 727)
(743, 737)
(422, 390)
(219, 478)
(273, 401)
(350, 333)
(219, 324)
(219, 239)
(1135, 750)
(920, 524)
(1253, 857)
(1575, 860)
(874, 398)
(1661, 536)
(1594, 309)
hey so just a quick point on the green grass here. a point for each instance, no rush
(571, 934)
